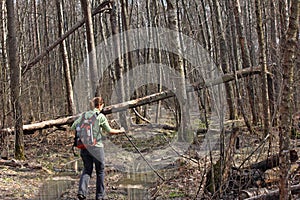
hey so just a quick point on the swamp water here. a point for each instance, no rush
(53, 189)
(130, 186)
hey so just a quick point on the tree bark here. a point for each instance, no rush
(15, 80)
(176, 62)
(273, 81)
(119, 67)
(64, 55)
(263, 63)
(246, 60)
(87, 10)
(286, 106)
(4, 67)
(4, 139)
(46, 61)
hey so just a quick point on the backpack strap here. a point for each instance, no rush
(94, 118)
(82, 118)
(76, 136)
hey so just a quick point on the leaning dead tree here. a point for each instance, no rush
(29, 128)
(101, 8)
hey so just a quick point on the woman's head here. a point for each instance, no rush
(96, 102)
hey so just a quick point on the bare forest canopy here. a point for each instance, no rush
(226, 30)
(103, 7)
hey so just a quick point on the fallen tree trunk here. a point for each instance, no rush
(226, 78)
(273, 161)
(29, 128)
(21, 164)
(263, 193)
(257, 175)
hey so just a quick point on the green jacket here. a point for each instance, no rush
(100, 124)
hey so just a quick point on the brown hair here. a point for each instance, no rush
(96, 102)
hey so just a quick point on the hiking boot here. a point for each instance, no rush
(102, 198)
(81, 196)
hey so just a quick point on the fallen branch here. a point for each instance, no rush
(251, 154)
(137, 149)
(140, 116)
(16, 163)
(157, 126)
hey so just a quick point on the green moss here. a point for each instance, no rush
(213, 177)
(176, 194)
(199, 124)
(295, 134)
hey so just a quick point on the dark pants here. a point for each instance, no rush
(89, 157)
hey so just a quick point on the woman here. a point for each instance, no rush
(94, 154)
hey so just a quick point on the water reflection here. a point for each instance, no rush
(131, 185)
(136, 184)
(53, 189)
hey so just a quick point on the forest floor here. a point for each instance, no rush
(49, 172)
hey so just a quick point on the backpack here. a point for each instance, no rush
(84, 132)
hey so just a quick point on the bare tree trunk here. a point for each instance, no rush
(87, 10)
(128, 61)
(207, 30)
(46, 60)
(224, 64)
(202, 37)
(119, 68)
(4, 144)
(41, 78)
(177, 64)
(223, 55)
(64, 55)
(288, 65)
(15, 80)
(273, 81)
(283, 15)
(246, 60)
(158, 57)
(263, 63)
(4, 67)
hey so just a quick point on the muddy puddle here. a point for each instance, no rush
(129, 186)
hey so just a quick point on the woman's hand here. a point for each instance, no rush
(117, 131)
(122, 130)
